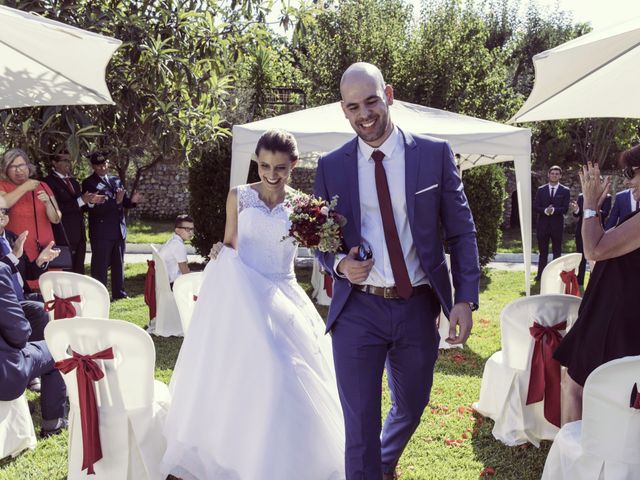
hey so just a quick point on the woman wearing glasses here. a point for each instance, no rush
(607, 326)
(31, 202)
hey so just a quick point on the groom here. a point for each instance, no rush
(402, 197)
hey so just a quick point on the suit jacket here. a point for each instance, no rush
(106, 220)
(437, 208)
(605, 208)
(14, 334)
(621, 209)
(560, 202)
(28, 269)
(72, 214)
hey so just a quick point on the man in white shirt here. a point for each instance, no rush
(174, 252)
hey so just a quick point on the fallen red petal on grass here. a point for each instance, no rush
(524, 446)
(488, 472)
(484, 321)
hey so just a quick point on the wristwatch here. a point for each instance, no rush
(588, 213)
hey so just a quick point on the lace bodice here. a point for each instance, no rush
(260, 235)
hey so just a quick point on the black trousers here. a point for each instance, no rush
(544, 236)
(78, 253)
(107, 254)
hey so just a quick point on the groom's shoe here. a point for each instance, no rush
(390, 476)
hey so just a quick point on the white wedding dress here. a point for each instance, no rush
(254, 391)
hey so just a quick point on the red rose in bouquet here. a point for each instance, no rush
(315, 223)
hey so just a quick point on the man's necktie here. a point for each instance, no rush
(553, 192)
(396, 257)
(69, 185)
(5, 250)
(637, 204)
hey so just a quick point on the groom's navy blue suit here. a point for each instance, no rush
(370, 331)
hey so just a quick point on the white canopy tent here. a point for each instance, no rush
(594, 75)
(476, 142)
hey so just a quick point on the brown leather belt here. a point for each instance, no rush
(389, 292)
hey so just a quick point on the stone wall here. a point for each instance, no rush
(166, 192)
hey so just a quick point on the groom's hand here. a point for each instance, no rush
(355, 270)
(461, 317)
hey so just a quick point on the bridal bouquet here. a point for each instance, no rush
(315, 223)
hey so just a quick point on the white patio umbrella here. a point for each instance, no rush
(44, 62)
(595, 75)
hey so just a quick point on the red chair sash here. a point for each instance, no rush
(635, 397)
(150, 288)
(62, 307)
(544, 379)
(570, 281)
(328, 284)
(87, 372)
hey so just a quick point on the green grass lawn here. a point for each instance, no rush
(511, 242)
(149, 231)
(451, 443)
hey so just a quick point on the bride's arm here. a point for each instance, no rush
(231, 225)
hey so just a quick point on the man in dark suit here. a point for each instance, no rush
(577, 212)
(72, 202)
(623, 206)
(551, 204)
(402, 196)
(22, 360)
(107, 225)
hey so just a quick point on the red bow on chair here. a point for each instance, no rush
(87, 372)
(635, 398)
(150, 288)
(328, 284)
(570, 281)
(544, 379)
(62, 307)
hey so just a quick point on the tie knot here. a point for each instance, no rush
(377, 156)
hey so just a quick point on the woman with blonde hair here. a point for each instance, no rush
(32, 205)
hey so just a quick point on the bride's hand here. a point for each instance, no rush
(215, 250)
(594, 188)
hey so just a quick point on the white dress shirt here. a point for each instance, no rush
(173, 252)
(371, 227)
(632, 200)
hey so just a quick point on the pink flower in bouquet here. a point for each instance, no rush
(316, 224)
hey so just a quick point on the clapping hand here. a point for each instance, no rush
(30, 185)
(549, 210)
(47, 254)
(594, 188)
(137, 198)
(95, 198)
(355, 270)
(120, 193)
(43, 197)
(574, 206)
(18, 245)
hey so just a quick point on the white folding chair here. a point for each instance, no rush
(319, 293)
(132, 406)
(505, 380)
(94, 297)
(167, 320)
(185, 290)
(605, 444)
(550, 281)
(443, 321)
(16, 427)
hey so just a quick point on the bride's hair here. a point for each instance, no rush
(277, 140)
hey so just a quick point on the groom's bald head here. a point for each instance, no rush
(362, 71)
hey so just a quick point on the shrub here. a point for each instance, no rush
(485, 189)
(209, 185)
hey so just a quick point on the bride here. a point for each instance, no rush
(254, 393)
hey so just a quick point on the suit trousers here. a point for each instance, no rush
(370, 334)
(37, 317)
(544, 235)
(105, 254)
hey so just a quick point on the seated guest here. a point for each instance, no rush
(607, 326)
(174, 252)
(625, 204)
(66, 190)
(21, 360)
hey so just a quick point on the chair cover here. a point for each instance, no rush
(16, 427)
(551, 281)
(185, 290)
(443, 321)
(505, 380)
(94, 297)
(319, 284)
(167, 321)
(132, 406)
(605, 444)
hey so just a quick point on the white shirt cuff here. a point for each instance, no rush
(337, 259)
(13, 259)
(80, 202)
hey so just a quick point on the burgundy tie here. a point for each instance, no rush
(398, 267)
(69, 185)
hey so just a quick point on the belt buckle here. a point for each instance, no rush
(387, 292)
